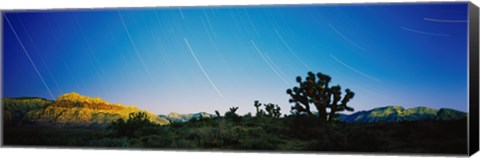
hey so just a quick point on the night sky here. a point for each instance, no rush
(194, 59)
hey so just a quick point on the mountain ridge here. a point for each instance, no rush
(178, 117)
(395, 113)
(68, 110)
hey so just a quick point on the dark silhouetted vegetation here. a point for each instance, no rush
(443, 131)
(291, 133)
(317, 91)
(136, 125)
(271, 110)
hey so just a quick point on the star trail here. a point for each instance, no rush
(193, 59)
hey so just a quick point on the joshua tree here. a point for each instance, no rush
(257, 105)
(273, 110)
(231, 114)
(315, 90)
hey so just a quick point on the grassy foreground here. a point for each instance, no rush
(291, 133)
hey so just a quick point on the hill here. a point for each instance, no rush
(400, 114)
(68, 110)
(176, 117)
(16, 109)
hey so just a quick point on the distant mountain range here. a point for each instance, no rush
(380, 114)
(400, 114)
(176, 117)
(73, 109)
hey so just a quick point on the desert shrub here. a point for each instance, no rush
(356, 138)
(248, 115)
(183, 144)
(138, 124)
(110, 142)
(258, 144)
(151, 141)
(302, 127)
(259, 140)
(209, 137)
(231, 115)
(178, 124)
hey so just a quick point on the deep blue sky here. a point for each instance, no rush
(196, 59)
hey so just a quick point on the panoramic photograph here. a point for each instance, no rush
(376, 78)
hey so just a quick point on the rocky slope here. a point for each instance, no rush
(68, 110)
(399, 114)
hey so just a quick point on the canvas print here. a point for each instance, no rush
(383, 78)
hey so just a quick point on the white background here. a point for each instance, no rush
(89, 153)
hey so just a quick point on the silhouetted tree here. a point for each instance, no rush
(257, 105)
(315, 90)
(273, 110)
(232, 115)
